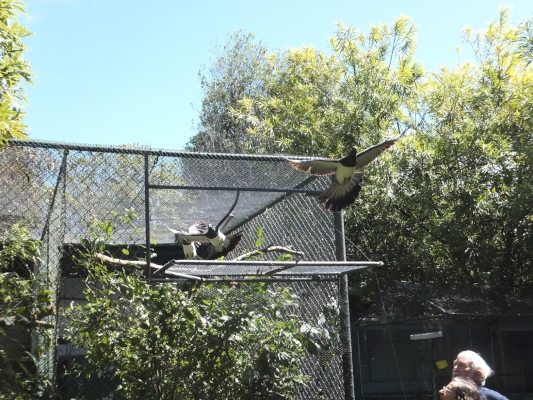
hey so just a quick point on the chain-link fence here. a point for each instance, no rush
(61, 192)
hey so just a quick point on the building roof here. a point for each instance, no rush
(404, 301)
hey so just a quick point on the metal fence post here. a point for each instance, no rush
(346, 334)
(147, 214)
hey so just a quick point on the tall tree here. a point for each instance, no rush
(454, 205)
(318, 104)
(13, 70)
(239, 70)
(451, 202)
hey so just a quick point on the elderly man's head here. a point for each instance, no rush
(469, 364)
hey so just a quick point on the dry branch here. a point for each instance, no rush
(118, 262)
(268, 249)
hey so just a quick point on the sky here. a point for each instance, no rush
(116, 72)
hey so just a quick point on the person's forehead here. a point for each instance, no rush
(462, 360)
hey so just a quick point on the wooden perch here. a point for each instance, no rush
(268, 249)
(118, 262)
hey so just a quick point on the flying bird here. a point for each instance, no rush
(347, 183)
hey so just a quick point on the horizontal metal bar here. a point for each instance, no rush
(250, 279)
(289, 264)
(264, 273)
(151, 151)
(299, 263)
(228, 188)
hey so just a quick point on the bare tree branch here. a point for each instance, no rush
(268, 249)
(117, 262)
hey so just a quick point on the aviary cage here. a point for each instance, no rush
(57, 189)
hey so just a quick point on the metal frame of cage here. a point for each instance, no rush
(279, 271)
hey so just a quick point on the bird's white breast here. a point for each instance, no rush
(344, 174)
(218, 241)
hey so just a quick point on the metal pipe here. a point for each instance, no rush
(229, 188)
(147, 214)
(346, 330)
(186, 276)
(278, 264)
(359, 368)
(346, 339)
(250, 279)
(149, 151)
(300, 263)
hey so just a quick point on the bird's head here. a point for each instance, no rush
(212, 232)
(351, 159)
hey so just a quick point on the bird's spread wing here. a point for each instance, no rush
(175, 232)
(194, 237)
(319, 166)
(178, 238)
(199, 228)
(196, 233)
(365, 157)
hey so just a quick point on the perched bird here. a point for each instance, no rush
(203, 241)
(221, 244)
(189, 247)
(347, 184)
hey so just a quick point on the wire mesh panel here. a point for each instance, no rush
(66, 193)
(27, 180)
(187, 189)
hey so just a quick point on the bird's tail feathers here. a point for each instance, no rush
(334, 198)
(234, 240)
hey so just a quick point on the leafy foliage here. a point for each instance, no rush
(190, 341)
(450, 202)
(237, 71)
(453, 203)
(25, 303)
(306, 102)
(165, 342)
(13, 69)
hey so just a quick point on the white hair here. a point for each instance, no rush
(478, 364)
